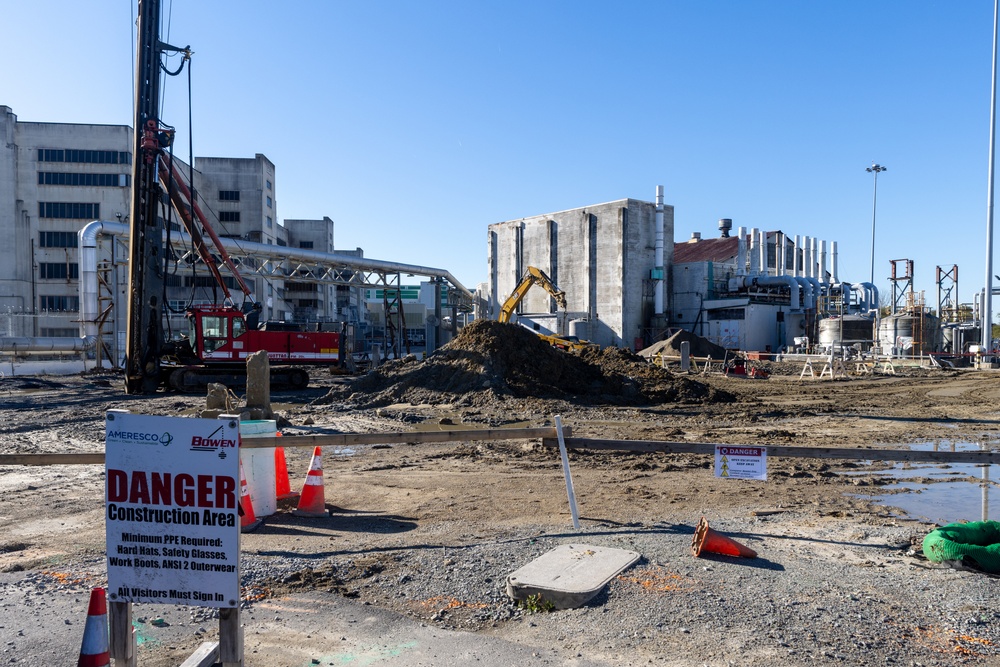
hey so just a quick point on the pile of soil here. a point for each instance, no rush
(490, 360)
(700, 347)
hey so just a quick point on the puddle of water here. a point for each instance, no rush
(939, 492)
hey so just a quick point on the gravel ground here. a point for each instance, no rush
(431, 532)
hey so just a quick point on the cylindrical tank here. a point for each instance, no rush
(847, 331)
(956, 338)
(908, 334)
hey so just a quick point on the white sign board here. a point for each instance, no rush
(741, 462)
(172, 515)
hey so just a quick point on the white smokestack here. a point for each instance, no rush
(741, 251)
(658, 253)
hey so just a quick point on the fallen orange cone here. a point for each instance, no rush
(248, 518)
(282, 487)
(94, 652)
(312, 502)
(706, 539)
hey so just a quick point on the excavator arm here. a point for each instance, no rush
(533, 276)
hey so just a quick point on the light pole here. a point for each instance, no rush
(874, 169)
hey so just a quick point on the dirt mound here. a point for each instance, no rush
(490, 360)
(700, 347)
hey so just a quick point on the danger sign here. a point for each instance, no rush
(741, 462)
(172, 510)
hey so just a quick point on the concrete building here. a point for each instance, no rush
(57, 177)
(241, 195)
(603, 257)
(312, 302)
(54, 178)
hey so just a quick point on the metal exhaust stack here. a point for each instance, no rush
(658, 254)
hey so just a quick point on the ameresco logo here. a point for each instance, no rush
(141, 438)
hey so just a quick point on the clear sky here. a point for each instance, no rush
(415, 125)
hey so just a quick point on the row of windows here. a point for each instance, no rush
(59, 271)
(229, 195)
(71, 210)
(229, 216)
(174, 280)
(84, 156)
(98, 180)
(59, 332)
(57, 240)
(59, 303)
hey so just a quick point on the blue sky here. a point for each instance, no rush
(416, 125)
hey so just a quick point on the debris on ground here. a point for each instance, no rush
(490, 360)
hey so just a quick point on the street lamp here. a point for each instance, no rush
(874, 169)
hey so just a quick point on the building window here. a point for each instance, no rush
(268, 184)
(269, 202)
(59, 271)
(83, 156)
(305, 244)
(59, 303)
(59, 332)
(69, 210)
(57, 239)
(229, 195)
(229, 216)
(94, 180)
(282, 242)
(270, 223)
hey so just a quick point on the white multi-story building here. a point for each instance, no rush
(54, 179)
(57, 177)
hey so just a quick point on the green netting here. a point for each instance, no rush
(978, 540)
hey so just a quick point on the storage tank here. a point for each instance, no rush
(956, 338)
(847, 331)
(907, 334)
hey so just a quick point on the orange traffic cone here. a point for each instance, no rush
(282, 487)
(706, 539)
(311, 503)
(248, 520)
(94, 650)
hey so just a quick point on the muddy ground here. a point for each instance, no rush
(429, 531)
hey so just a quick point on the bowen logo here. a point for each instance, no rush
(211, 443)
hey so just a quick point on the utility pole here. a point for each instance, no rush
(986, 337)
(876, 169)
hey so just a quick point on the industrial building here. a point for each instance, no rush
(627, 282)
(608, 258)
(57, 177)
(54, 178)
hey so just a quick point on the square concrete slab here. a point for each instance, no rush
(570, 575)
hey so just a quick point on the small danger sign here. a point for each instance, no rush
(741, 462)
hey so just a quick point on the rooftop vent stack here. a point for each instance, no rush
(822, 262)
(725, 225)
(779, 254)
(695, 237)
(754, 255)
(833, 254)
(796, 263)
(658, 254)
(762, 247)
(741, 251)
(813, 256)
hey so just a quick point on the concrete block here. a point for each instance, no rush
(569, 575)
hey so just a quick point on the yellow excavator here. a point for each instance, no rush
(535, 276)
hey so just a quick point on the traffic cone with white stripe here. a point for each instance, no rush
(311, 502)
(94, 652)
(248, 519)
(282, 487)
